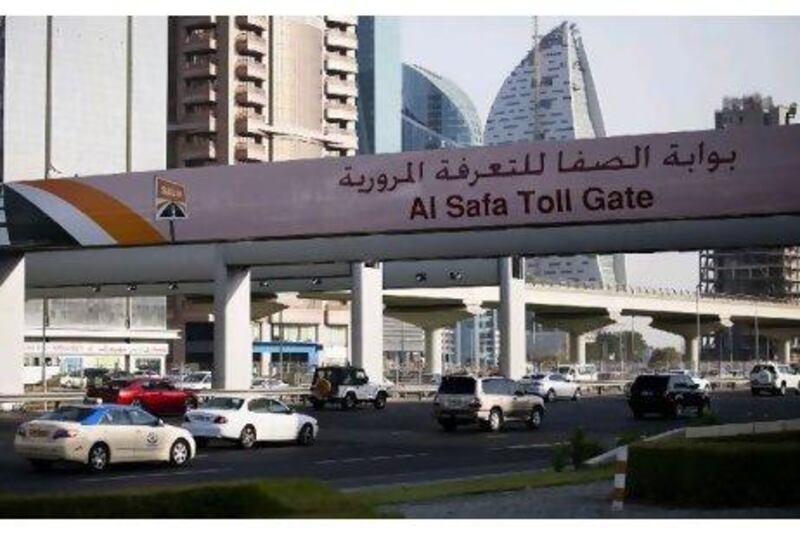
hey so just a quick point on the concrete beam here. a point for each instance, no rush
(233, 335)
(12, 324)
(367, 319)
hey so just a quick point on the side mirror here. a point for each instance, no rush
(160, 422)
(519, 393)
(694, 386)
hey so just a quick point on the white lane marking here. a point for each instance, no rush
(374, 458)
(352, 459)
(156, 474)
(527, 446)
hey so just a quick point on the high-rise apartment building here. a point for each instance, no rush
(770, 272)
(246, 89)
(262, 88)
(550, 95)
(83, 96)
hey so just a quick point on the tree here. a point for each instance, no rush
(618, 343)
(667, 357)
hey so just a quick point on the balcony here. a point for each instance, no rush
(249, 95)
(200, 94)
(200, 41)
(342, 20)
(249, 123)
(340, 63)
(196, 23)
(199, 69)
(250, 150)
(200, 121)
(339, 111)
(250, 44)
(337, 87)
(341, 40)
(198, 149)
(341, 138)
(251, 69)
(250, 22)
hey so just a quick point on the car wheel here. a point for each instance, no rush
(380, 400)
(754, 392)
(448, 425)
(703, 408)
(495, 420)
(201, 442)
(577, 395)
(550, 396)
(535, 419)
(306, 435)
(247, 438)
(98, 457)
(676, 411)
(40, 465)
(179, 453)
(637, 414)
(349, 401)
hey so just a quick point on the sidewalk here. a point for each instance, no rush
(574, 501)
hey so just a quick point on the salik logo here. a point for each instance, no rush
(152, 439)
(170, 200)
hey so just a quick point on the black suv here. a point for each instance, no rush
(669, 395)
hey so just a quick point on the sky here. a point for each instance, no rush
(652, 74)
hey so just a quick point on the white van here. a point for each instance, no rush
(578, 372)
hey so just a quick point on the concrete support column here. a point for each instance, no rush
(233, 336)
(433, 351)
(367, 319)
(265, 360)
(577, 348)
(12, 324)
(786, 351)
(512, 316)
(692, 346)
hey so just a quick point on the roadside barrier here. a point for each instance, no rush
(620, 473)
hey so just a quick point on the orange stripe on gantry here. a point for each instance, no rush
(122, 223)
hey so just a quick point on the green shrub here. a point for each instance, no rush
(715, 474)
(261, 499)
(560, 458)
(629, 437)
(707, 419)
(583, 448)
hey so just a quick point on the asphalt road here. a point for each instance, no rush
(402, 443)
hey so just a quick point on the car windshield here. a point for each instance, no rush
(69, 413)
(534, 377)
(195, 378)
(759, 368)
(457, 385)
(653, 383)
(223, 402)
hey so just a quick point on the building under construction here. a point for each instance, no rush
(761, 272)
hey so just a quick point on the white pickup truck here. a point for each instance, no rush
(773, 378)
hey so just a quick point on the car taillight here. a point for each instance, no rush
(475, 403)
(64, 434)
(220, 420)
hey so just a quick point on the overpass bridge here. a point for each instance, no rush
(442, 220)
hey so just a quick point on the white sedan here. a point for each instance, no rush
(247, 419)
(551, 386)
(99, 435)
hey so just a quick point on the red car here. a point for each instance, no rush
(157, 396)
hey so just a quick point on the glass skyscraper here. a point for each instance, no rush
(436, 112)
(379, 85)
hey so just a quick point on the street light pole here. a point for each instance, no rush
(699, 335)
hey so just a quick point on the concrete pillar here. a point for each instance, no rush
(367, 319)
(433, 351)
(512, 316)
(577, 348)
(265, 360)
(12, 324)
(786, 351)
(692, 345)
(233, 336)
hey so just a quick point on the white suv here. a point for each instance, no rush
(773, 378)
(346, 386)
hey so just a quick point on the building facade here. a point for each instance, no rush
(247, 89)
(436, 112)
(84, 96)
(550, 95)
(762, 272)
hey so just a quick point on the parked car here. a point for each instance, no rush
(668, 395)
(551, 387)
(249, 418)
(158, 396)
(490, 402)
(100, 435)
(196, 381)
(346, 386)
(269, 383)
(696, 378)
(773, 379)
